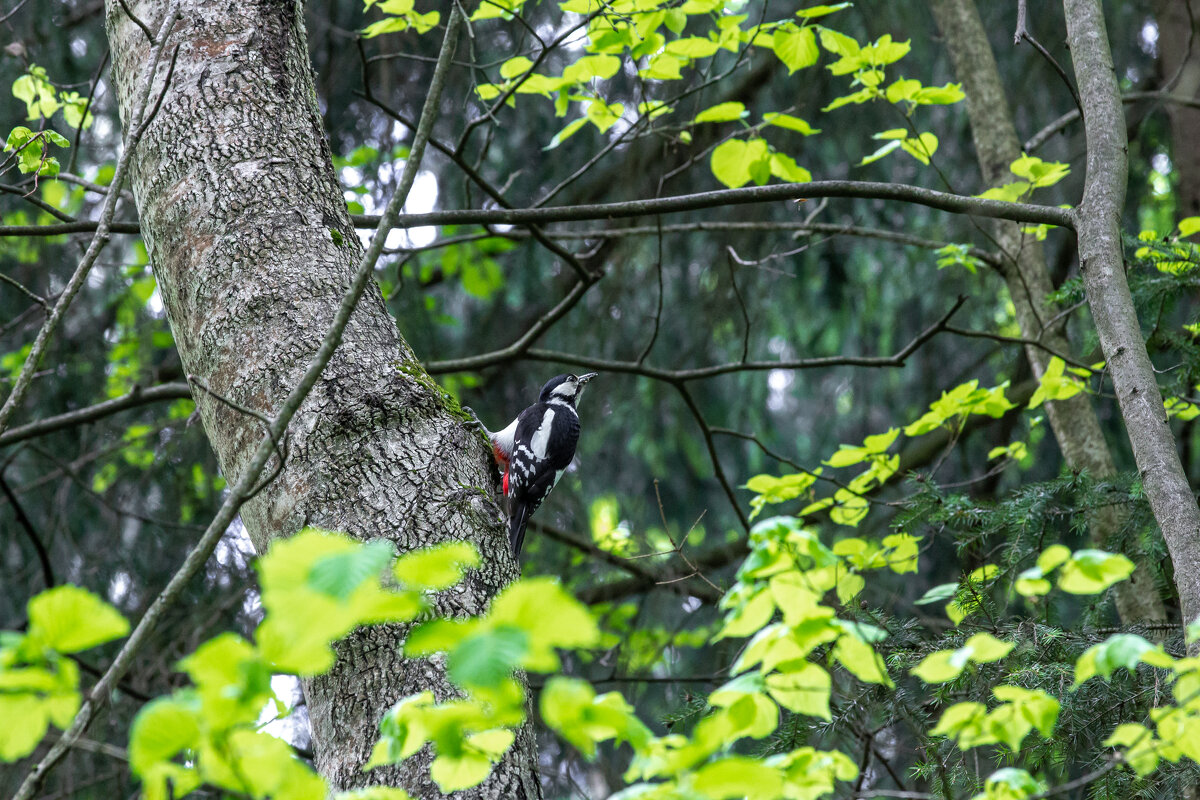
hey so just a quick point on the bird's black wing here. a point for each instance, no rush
(543, 447)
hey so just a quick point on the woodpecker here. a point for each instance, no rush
(536, 448)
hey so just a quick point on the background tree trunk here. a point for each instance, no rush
(1074, 422)
(1179, 48)
(252, 248)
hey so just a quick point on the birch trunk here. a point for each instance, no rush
(1074, 422)
(252, 248)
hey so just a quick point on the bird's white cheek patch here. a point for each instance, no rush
(541, 437)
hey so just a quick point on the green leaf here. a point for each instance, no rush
(69, 619)
(796, 47)
(722, 112)
(789, 122)
(1189, 226)
(812, 12)
(566, 133)
(922, 147)
(161, 729)
(26, 723)
(739, 777)
(599, 66)
(733, 161)
(515, 67)
(487, 658)
(785, 168)
(1039, 173)
(692, 47)
(1093, 571)
(1125, 650)
(804, 689)
(861, 660)
(938, 594)
(340, 575)
(438, 567)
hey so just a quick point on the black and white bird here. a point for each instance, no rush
(536, 449)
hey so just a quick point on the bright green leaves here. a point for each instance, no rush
(32, 150)
(722, 112)
(69, 619)
(1020, 712)
(1093, 571)
(736, 162)
(1034, 174)
(963, 400)
(873, 447)
(571, 708)
(1057, 384)
(401, 15)
(1122, 650)
(335, 580)
(38, 686)
(42, 100)
(946, 665)
(796, 47)
(921, 147)
(522, 629)
(436, 567)
(316, 587)
(958, 255)
(207, 735)
(789, 122)
(1140, 746)
(769, 489)
(162, 729)
(493, 9)
(803, 689)
(907, 90)
(1010, 783)
(1081, 572)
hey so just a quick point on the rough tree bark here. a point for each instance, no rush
(1101, 261)
(252, 248)
(1074, 422)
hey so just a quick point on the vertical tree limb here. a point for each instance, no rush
(1023, 265)
(1102, 264)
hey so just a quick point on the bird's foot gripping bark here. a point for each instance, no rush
(474, 424)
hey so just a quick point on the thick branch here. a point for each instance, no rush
(1102, 265)
(944, 201)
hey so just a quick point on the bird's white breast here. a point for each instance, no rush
(541, 437)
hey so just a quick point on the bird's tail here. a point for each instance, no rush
(518, 519)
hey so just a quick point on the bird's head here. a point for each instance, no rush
(564, 388)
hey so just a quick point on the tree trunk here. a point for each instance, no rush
(252, 248)
(1074, 421)
(1179, 38)
(1101, 261)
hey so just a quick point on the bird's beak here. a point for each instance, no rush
(585, 378)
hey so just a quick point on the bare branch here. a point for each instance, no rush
(137, 397)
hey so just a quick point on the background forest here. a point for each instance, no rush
(922, 395)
